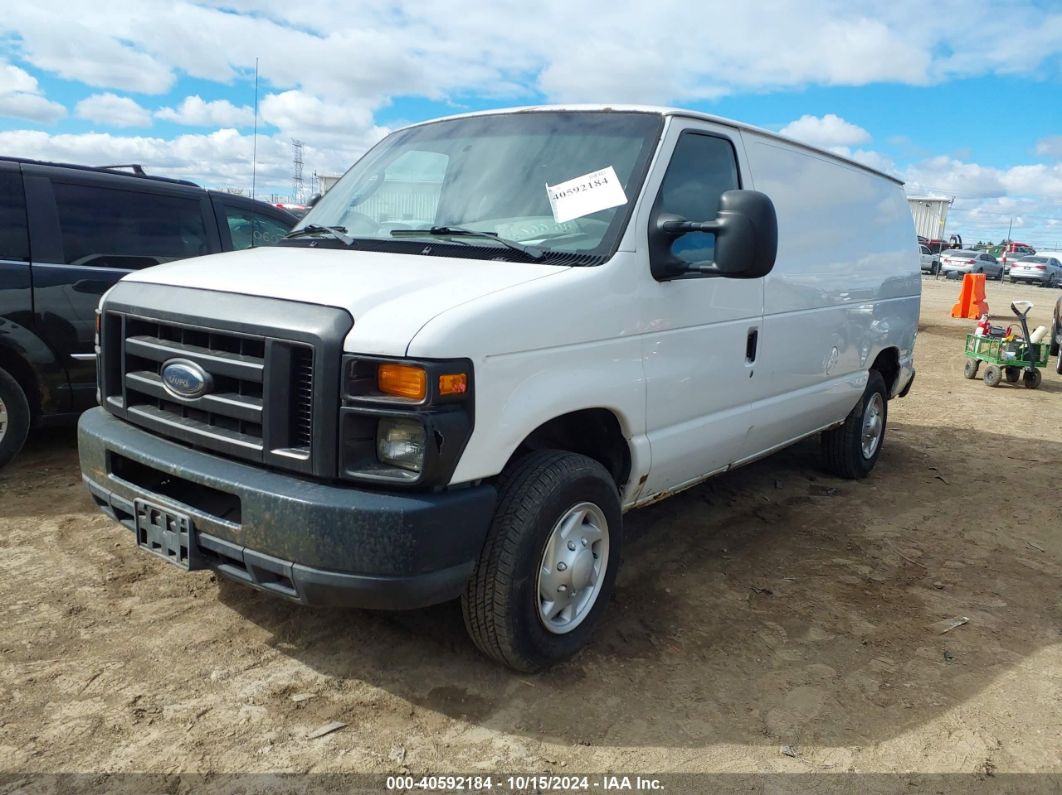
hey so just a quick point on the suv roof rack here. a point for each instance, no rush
(136, 169)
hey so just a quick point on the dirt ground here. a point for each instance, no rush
(772, 607)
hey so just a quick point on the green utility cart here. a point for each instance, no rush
(1014, 359)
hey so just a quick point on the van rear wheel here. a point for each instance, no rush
(14, 417)
(851, 450)
(548, 566)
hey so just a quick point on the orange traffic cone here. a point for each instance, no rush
(972, 303)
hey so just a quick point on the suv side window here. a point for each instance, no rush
(702, 168)
(114, 228)
(14, 240)
(250, 229)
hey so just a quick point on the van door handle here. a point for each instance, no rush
(750, 345)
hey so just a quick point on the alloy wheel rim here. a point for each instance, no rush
(3, 420)
(572, 570)
(873, 425)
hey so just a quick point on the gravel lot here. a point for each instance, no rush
(774, 606)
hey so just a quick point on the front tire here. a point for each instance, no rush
(851, 450)
(557, 529)
(14, 417)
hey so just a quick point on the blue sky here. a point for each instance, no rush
(962, 99)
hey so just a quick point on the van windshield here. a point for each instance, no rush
(476, 183)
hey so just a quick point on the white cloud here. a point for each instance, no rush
(660, 52)
(951, 177)
(301, 115)
(17, 81)
(21, 97)
(826, 131)
(194, 111)
(54, 39)
(113, 111)
(1050, 147)
(1036, 180)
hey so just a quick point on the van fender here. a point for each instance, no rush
(518, 393)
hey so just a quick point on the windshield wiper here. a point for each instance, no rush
(338, 232)
(533, 252)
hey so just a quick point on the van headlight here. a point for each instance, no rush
(404, 422)
(400, 443)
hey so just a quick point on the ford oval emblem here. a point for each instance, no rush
(185, 379)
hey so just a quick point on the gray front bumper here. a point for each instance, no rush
(302, 539)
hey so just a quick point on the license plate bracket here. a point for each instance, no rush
(165, 533)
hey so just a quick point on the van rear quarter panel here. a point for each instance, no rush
(846, 283)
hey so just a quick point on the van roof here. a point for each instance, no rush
(667, 111)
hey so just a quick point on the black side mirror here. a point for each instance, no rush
(746, 239)
(314, 199)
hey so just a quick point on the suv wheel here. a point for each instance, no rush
(14, 417)
(548, 567)
(851, 450)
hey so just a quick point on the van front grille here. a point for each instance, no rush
(232, 416)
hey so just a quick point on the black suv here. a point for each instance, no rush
(67, 233)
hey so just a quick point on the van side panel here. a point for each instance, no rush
(845, 286)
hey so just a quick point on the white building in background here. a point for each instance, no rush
(324, 182)
(930, 215)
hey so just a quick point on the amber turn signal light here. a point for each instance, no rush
(402, 380)
(453, 384)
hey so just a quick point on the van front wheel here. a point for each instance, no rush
(548, 566)
(851, 450)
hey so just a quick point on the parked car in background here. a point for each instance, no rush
(1009, 252)
(298, 210)
(67, 234)
(1042, 270)
(937, 246)
(930, 261)
(963, 261)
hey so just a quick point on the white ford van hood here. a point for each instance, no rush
(390, 296)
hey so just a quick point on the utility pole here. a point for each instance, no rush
(254, 146)
(1010, 228)
(298, 189)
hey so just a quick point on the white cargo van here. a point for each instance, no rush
(492, 337)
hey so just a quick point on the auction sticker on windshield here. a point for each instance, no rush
(590, 193)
